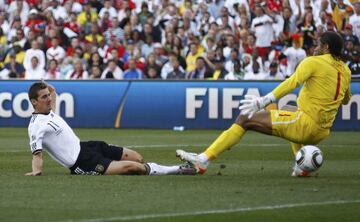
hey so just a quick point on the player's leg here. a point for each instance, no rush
(260, 122)
(131, 155)
(114, 152)
(125, 167)
(295, 147)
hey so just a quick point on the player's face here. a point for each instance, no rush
(320, 49)
(43, 103)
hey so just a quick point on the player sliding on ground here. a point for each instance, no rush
(326, 85)
(48, 131)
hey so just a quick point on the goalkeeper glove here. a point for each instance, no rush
(252, 104)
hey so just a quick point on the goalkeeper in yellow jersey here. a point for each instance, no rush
(326, 85)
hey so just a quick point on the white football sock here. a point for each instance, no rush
(203, 158)
(156, 169)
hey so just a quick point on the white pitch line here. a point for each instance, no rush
(199, 145)
(224, 211)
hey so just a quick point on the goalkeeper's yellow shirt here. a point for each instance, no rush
(326, 86)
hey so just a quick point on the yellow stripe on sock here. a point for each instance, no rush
(225, 141)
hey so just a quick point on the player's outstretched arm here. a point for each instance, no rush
(37, 165)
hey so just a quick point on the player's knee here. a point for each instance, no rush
(137, 157)
(132, 155)
(134, 169)
(243, 121)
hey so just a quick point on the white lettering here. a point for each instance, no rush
(346, 109)
(5, 97)
(213, 103)
(17, 105)
(286, 99)
(22, 107)
(253, 91)
(191, 103)
(228, 103)
(68, 101)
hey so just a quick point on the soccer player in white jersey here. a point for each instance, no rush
(48, 131)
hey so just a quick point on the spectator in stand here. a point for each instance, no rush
(307, 29)
(237, 73)
(147, 47)
(177, 71)
(133, 72)
(295, 54)
(219, 72)
(96, 60)
(16, 69)
(4, 24)
(115, 44)
(274, 73)
(58, 10)
(73, 24)
(35, 71)
(234, 58)
(109, 9)
(3, 45)
(105, 22)
(201, 70)
(144, 13)
(191, 58)
(114, 30)
(151, 62)
(354, 20)
(78, 71)
(30, 53)
(354, 65)
(21, 40)
(87, 15)
(95, 72)
(262, 27)
(151, 72)
(161, 59)
(340, 13)
(35, 22)
(112, 71)
(95, 35)
(19, 8)
(55, 52)
(53, 70)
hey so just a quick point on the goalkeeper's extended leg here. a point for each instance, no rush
(260, 122)
(224, 142)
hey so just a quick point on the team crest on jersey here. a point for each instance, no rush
(99, 168)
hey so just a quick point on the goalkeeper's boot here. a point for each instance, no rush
(297, 172)
(187, 169)
(194, 160)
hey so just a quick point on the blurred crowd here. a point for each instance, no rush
(169, 39)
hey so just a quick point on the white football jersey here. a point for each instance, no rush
(51, 133)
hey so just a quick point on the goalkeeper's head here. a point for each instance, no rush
(332, 43)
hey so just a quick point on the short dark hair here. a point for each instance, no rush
(335, 43)
(35, 88)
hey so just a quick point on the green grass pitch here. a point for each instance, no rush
(255, 185)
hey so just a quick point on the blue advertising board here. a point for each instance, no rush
(152, 104)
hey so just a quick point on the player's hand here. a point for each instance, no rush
(33, 174)
(251, 105)
(51, 88)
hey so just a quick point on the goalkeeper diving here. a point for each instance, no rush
(326, 85)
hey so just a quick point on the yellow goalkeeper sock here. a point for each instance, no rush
(295, 147)
(225, 141)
